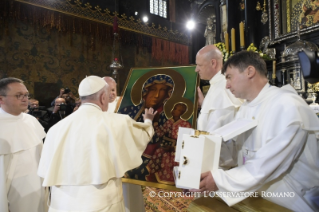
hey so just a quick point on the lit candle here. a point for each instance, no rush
(233, 42)
(227, 41)
(242, 36)
(273, 77)
(274, 69)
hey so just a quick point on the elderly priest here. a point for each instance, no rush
(86, 154)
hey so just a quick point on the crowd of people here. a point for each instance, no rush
(62, 106)
(87, 152)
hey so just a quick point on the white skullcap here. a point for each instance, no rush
(90, 85)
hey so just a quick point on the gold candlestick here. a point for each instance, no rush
(227, 41)
(233, 42)
(274, 72)
(242, 35)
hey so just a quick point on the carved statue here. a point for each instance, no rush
(271, 52)
(210, 31)
(295, 81)
(264, 43)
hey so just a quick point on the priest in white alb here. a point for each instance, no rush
(220, 105)
(280, 157)
(20, 150)
(114, 99)
(86, 154)
(132, 194)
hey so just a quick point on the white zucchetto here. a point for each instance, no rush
(90, 85)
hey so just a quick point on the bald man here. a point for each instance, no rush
(57, 114)
(219, 106)
(113, 99)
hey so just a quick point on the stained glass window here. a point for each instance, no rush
(158, 7)
(151, 6)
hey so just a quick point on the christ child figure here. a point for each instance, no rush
(161, 165)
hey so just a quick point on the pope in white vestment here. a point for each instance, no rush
(132, 194)
(86, 154)
(280, 157)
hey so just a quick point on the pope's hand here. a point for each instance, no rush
(200, 97)
(149, 114)
(207, 183)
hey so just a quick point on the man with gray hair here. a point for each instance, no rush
(86, 154)
(113, 99)
(20, 149)
(220, 105)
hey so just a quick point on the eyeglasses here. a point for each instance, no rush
(20, 96)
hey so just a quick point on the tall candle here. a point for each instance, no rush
(227, 41)
(233, 42)
(241, 34)
(273, 78)
(274, 69)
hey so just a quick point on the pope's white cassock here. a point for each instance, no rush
(132, 194)
(20, 150)
(219, 108)
(86, 154)
(280, 156)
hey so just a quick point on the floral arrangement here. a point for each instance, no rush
(313, 87)
(253, 48)
(222, 48)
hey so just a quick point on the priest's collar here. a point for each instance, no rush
(218, 76)
(91, 104)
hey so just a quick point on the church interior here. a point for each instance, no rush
(54, 44)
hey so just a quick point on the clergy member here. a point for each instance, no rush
(132, 194)
(20, 149)
(86, 154)
(279, 157)
(219, 106)
(114, 99)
